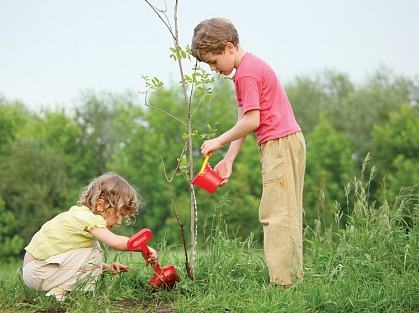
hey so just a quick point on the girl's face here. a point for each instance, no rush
(223, 63)
(111, 215)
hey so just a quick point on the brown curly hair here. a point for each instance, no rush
(212, 35)
(116, 193)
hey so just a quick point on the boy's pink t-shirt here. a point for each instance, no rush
(258, 88)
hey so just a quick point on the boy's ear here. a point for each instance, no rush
(229, 47)
(99, 205)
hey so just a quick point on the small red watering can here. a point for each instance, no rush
(207, 178)
(163, 277)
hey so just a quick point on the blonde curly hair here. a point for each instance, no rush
(116, 193)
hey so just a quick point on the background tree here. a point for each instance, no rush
(323, 93)
(329, 167)
(46, 157)
(34, 187)
(13, 117)
(383, 93)
(11, 243)
(396, 148)
(96, 120)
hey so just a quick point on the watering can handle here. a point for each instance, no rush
(139, 240)
(203, 165)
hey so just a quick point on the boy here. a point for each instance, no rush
(263, 108)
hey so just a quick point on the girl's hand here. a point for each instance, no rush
(152, 257)
(115, 268)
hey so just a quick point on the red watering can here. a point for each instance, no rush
(163, 277)
(207, 178)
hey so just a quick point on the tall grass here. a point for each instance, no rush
(371, 264)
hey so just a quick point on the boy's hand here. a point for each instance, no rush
(210, 145)
(224, 169)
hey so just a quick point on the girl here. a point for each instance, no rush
(65, 251)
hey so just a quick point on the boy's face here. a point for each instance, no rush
(223, 63)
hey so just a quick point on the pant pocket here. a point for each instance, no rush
(273, 202)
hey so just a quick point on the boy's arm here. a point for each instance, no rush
(225, 167)
(234, 149)
(246, 123)
(250, 120)
(236, 135)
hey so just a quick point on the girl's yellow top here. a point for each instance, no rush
(67, 231)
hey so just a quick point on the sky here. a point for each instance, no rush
(52, 51)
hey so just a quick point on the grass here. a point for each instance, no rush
(8, 270)
(370, 265)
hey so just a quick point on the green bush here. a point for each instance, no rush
(11, 244)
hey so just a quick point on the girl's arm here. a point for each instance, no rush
(118, 242)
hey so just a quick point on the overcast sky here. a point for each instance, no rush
(52, 50)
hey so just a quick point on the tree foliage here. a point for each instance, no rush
(396, 146)
(11, 243)
(46, 157)
(329, 168)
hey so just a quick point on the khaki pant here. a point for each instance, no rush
(80, 266)
(283, 163)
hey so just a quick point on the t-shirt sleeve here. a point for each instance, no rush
(96, 222)
(248, 93)
(89, 220)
